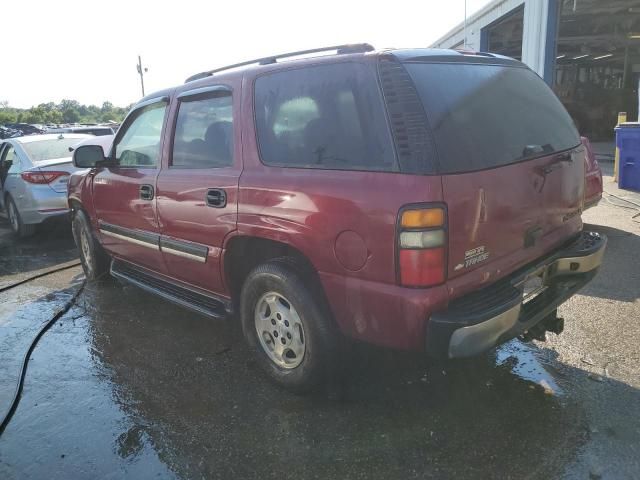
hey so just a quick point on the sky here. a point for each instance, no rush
(87, 50)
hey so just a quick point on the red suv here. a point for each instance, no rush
(415, 199)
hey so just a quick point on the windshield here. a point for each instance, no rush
(485, 116)
(48, 149)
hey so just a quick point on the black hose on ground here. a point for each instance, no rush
(6, 418)
(636, 206)
(33, 277)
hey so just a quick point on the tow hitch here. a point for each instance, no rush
(551, 323)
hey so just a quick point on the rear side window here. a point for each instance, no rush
(204, 133)
(485, 116)
(327, 116)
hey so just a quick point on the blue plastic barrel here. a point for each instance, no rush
(628, 141)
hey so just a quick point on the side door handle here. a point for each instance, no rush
(216, 198)
(146, 192)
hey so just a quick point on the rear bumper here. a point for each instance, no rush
(43, 203)
(478, 321)
(40, 216)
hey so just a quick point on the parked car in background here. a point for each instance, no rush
(26, 128)
(414, 199)
(97, 130)
(8, 132)
(593, 177)
(104, 141)
(34, 171)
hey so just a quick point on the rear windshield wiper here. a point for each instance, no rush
(557, 161)
(531, 150)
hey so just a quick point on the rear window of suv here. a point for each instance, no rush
(323, 116)
(486, 116)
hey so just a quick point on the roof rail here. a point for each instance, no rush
(340, 49)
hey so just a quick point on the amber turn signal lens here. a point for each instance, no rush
(428, 217)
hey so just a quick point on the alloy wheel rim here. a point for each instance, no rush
(280, 330)
(86, 250)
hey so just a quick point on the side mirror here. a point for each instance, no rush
(88, 156)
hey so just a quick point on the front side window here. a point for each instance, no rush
(139, 146)
(326, 116)
(204, 133)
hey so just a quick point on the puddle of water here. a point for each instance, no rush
(14, 300)
(129, 386)
(528, 364)
(71, 419)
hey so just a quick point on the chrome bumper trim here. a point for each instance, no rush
(474, 339)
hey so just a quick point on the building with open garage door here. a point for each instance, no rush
(588, 51)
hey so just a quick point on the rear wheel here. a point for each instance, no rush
(19, 228)
(292, 336)
(95, 261)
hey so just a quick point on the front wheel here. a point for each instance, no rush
(292, 336)
(95, 261)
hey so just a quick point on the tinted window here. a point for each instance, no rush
(140, 144)
(484, 116)
(328, 116)
(204, 133)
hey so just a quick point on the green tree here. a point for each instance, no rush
(70, 110)
(67, 111)
(34, 115)
(7, 116)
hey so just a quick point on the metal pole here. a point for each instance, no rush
(141, 72)
(625, 67)
(464, 43)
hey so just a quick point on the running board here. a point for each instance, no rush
(207, 305)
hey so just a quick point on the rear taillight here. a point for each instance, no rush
(42, 177)
(422, 240)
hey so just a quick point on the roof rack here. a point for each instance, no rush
(340, 49)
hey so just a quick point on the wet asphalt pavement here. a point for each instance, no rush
(128, 386)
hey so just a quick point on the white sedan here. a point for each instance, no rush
(34, 171)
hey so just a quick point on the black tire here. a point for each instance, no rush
(19, 228)
(95, 261)
(321, 337)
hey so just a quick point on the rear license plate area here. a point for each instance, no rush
(532, 287)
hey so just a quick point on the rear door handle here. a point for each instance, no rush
(216, 198)
(146, 192)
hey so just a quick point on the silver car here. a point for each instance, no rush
(34, 171)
